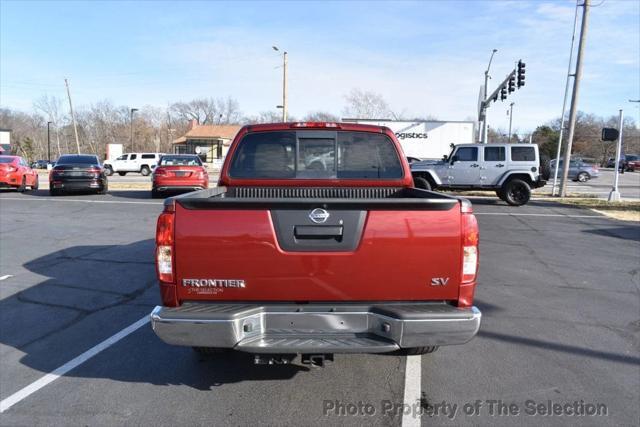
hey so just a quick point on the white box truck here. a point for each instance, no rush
(426, 139)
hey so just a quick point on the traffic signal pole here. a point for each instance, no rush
(614, 195)
(514, 79)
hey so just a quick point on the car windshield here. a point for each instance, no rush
(180, 161)
(79, 159)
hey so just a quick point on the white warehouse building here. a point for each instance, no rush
(426, 139)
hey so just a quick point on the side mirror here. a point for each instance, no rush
(454, 159)
(445, 158)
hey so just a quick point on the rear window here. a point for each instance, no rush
(148, 156)
(523, 154)
(82, 160)
(316, 155)
(494, 154)
(180, 161)
(6, 159)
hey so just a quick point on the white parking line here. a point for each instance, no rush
(80, 200)
(412, 384)
(57, 373)
(534, 214)
(6, 276)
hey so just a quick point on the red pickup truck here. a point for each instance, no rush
(315, 242)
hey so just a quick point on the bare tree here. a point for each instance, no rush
(321, 116)
(266, 117)
(51, 107)
(208, 111)
(366, 105)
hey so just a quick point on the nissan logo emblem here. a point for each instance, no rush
(319, 216)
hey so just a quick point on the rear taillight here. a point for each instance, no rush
(469, 248)
(164, 246)
(160, 171)
(470, 239)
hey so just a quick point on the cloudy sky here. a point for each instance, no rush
(425, 58)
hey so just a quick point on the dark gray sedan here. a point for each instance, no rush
(578, 170)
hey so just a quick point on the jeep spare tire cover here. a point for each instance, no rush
(545, 167)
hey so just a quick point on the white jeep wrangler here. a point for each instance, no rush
(143, 163)
(512, 170)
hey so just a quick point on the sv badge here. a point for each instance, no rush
(439, 281)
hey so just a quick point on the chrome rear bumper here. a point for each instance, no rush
(317, 328)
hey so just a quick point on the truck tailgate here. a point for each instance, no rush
(248, 253)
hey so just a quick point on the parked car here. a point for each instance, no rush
(179, 172)
(632, 162)
(77, 172)
(143, 163)
(578, 170)
(16, 173)
(275, 263)
(611, 161)
(40, 164)
(511, 170)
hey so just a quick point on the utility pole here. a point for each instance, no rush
(49, 142)
(614, 195)
(510, 119)
(284, 88)
(131, 111)
(574, 97)
(168, 128)
(73, 116)
(485, 130)
(284, 105)
(564, 106)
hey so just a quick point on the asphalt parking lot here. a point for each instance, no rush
(558, 288)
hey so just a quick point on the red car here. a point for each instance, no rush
(176, 172)
(16, 173)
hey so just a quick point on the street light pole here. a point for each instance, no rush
(131, 111)
(49, 141)
(564, 105)
(510, 120)
(284, 84)
(484, 105)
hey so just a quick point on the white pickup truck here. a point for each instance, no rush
(142, 163)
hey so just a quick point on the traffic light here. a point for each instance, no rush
(503, 93)
(512, 84)
(520, 71)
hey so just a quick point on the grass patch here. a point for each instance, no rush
(623, 210)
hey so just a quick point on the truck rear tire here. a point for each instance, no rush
(421, 183)
(516, 192)
(145, 171)
(414, 351)
(108, 171)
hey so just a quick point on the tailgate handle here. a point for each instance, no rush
(317, 231)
